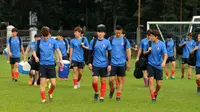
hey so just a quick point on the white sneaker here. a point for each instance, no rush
(75, 87)
(79, 84)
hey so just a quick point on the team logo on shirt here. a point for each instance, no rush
(50, 44)
(122, 43)
(104, 45)
(18, 41)
(158, 48)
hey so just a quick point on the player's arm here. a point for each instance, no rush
(128, 54)
(35, 56)
(139, 53)
(192, 51)
(182, 43)
(59, 55)
(164, 60)
(174, 51)
(148, 51)
(26, 53)
(9, 51)
(70, 54)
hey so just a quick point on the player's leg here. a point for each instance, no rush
(151, 73)
(198, 79)
(173, 69)
(36, 78)
(80, 74)
(159, 78)
(43, 77)
(189, 71)
(166, 71)
(95, 76)
(75, 74)
(16, 69)
(183, 67)
(52, 88)
(103, 74)
(145, 77)
(30, 77)
(112, 79)
(12, 67)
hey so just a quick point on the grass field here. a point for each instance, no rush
(175, 96)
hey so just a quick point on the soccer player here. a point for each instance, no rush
(197, 49)
(100, 61)
(46, 47)
(155, 64)
(14, 45)
(171, 52)
(144, 47)
(187, 45)
(77, 55)
(120, 52)
(29, 53)
(63, 46)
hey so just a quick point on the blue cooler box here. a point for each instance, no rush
(24, 68)
(64, 72)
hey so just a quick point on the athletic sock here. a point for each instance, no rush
(167, 74)
(13, 74)
(75, 81)
(103, 89)
(42, 93)
(95, 87)
(118, 94)
(51, 90)
(16, 74)
(173, 72)
(198, 83)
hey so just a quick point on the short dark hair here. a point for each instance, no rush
(101, 28)
(79, 29)
(118, 27)
(14, 30)
(37, 35)
(45, 31)
(155, 33)
(60, 34)
(149, 32)
(190, 34)
(169, 35)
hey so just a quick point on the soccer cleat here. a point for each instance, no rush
(101, 100)
(182, 77)
(189, 78)
(78, 84)
(13, 79)
(118, 99)
(16, 80)
(198, 90)
(50, 97)
(153, 100)
(43, 102)
(96, 96)
(111, 94)
(172, 77)
(30, 82)
(75, 87)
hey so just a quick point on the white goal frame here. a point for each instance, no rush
(170, 22)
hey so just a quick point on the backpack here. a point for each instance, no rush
(180, 49)
(20, 41)
(86, 53)
(138, 74)
(192, 57)
(143, 60)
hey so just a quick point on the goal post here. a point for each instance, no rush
(179, 29)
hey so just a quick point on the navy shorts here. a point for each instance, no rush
(47, 71)
(154, 72)
(197, 70)
(118, 71)
(184, 60)
(170, 59)
(100, 71)
(14, 60)
(80, 65)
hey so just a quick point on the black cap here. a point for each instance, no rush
(14, 30)
(101, 28)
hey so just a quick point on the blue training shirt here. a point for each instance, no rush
(190, 44)
(62, 47)
(170, 44)
(78, 53)
(118, 52)
(198, 56)
(100, 50)
(15, 46)
(47, 49)
(144, 44)
(155, 57)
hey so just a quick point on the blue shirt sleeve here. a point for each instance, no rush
(86, 43)
(56, 45)
(71, 44)
(91, 44)
(164, 49)
(141, 44)
(128, 44)
(35, 46)
(109, 46)
(7, 41)
(21, 41)
(181, 42)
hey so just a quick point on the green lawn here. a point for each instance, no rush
(175, 96)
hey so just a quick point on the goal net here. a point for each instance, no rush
(179, 30)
